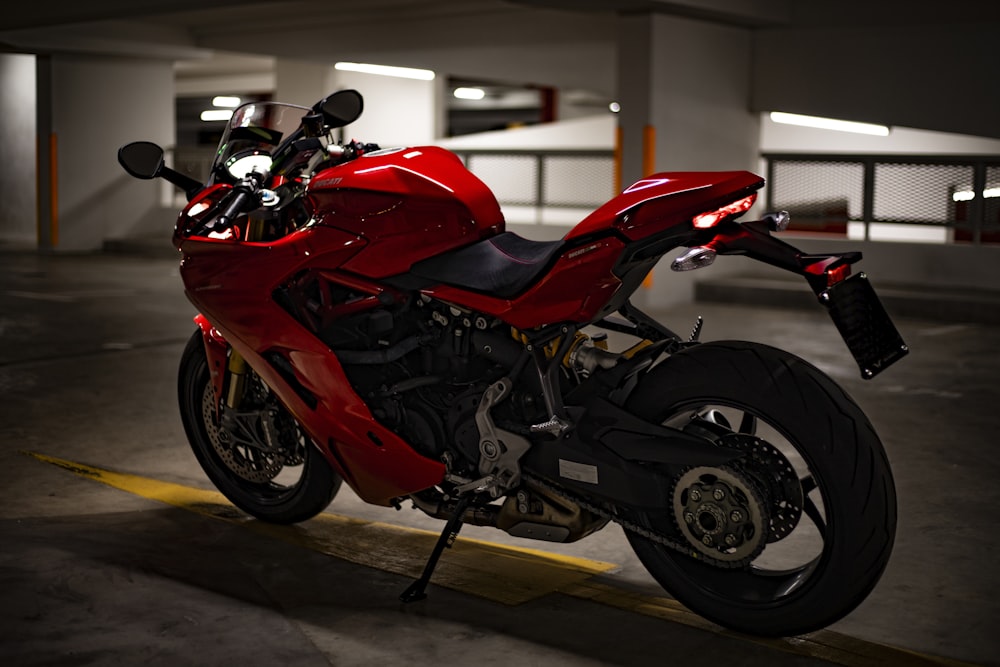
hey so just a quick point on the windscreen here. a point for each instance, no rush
(254, 132)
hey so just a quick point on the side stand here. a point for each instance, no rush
(417, 590)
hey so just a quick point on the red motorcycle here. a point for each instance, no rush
(366, 317)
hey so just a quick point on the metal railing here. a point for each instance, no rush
(959, 195)
(547, 187)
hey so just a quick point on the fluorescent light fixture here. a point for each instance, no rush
(226, 101)
(216, 114)
(386, 70)
(969, 195)
(469, 93)
(829, 123)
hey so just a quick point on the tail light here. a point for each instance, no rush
(712, 218)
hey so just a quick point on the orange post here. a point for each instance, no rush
(648, 150)
(618, 160)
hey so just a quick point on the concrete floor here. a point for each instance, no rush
(96, 575)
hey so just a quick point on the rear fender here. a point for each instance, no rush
(754, 240)
(217, 355)
(856, 310)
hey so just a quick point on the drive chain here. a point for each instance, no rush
(637, 529)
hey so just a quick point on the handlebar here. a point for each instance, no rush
(245, 199)
(246, 193)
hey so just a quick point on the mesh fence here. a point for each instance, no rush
(512, 178)
(821, 196)
(991, 201)
(824, 192)
(921, 193)
(578, 181)
(545, 179)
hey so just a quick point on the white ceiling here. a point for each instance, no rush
(567, 44)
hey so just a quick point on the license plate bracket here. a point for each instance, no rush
(864, 324)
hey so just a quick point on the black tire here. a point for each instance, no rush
(848, 490)
(306, 488)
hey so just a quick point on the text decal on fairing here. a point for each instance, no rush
(583, 251)
(580, 472)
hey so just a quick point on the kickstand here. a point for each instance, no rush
(417, 590)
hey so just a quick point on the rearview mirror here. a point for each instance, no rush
(141, 159)
(342, 107)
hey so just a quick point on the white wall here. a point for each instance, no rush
(590, 133)
(782, 138)
(99, 104)
(17, 149)
(300, 82)
(398, 112)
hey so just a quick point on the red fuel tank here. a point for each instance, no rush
(409, 203)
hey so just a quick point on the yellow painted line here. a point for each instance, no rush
(505, 574)
(502, 573)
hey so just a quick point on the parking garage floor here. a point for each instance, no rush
(115, 550)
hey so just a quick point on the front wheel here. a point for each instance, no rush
(794, 534)
(256, 455)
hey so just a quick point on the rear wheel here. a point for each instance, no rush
(257, 455)
(794, 534)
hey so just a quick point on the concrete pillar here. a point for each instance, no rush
(684, 86)
(87, 107)
(684, 89)
(398, 111)
(17, 150)
(301, 82)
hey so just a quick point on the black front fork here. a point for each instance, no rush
(851, 300)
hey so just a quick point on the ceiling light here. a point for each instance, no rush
(829, 123)
(969, 195)
(226, 101)
(216, 114)
(386, 70)
(469, 93)
(615, 107)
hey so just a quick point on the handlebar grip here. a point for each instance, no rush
(244, 201)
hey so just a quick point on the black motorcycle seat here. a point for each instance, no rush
(501, 266)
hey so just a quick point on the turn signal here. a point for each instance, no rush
(712, 218)
(778, 220)
(693, 258)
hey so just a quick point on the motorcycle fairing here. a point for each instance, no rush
(232, 284)
(393, 197)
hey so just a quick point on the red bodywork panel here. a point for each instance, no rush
(393, 198)
(372, 218)
(662, 201)
(231, 285)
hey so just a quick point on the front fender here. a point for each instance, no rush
(217, 354)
